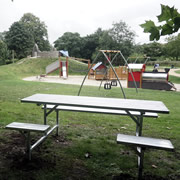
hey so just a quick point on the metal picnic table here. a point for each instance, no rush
(136, 109)
(103, 104)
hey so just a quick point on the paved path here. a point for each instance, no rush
(173, 73)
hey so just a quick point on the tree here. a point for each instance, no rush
(106, 41)
(121, 32)
(2, 36)
(89, 44)
(123, 37)
(4, 52)
(19, 39)
(37, 29)
(170, 19)
(71, 42)
(22, 35)
(153, 49)
(119, 37)
(172, 47)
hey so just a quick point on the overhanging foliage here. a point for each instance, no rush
(170, 23)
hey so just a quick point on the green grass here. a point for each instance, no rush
(178, 71)
(63, 157)
(174, 79)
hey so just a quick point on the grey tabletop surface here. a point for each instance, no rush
(98, 102)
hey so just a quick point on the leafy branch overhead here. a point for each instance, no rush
(170, 19)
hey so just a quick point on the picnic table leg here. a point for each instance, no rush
(28, 142)
(45, 114)
(139, 149)
(139, 125)
(57, 122)
(140, 162)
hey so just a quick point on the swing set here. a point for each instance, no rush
(109, 65)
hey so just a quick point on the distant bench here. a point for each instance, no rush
(26, 128)
(100, 110)
(142, 143)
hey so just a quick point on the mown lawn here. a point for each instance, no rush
(178, 71)
(86, 147)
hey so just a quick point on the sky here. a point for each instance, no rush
(84, 16)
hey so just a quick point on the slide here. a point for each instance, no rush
(64, 72)
(56, 65)
(52, 67)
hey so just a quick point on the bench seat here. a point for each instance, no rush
(100, 110)
(28, 127)
(144, 142)
(141, 143)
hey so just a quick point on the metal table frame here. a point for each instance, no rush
(137, 119)
(46, 113)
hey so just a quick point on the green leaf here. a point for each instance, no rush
(155, 35)
(176, 24)
(147, 26)
(166, 29)
(166, 13)
(174, 13)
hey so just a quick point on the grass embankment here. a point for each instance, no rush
(37, 66)
(86, 147)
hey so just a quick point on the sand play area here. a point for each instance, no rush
(76, 80)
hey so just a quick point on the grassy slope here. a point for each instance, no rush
(29, 67)
(63, 157)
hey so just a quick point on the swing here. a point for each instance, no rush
(113, 83)
(107, 86)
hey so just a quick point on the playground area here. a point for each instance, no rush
(111, 69)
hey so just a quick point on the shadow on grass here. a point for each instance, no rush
(49, 163)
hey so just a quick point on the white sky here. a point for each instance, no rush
(84, 16)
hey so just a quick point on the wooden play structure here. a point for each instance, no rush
(82, 60)
(101, 72)
(121, 71)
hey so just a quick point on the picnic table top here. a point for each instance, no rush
(98, 102)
